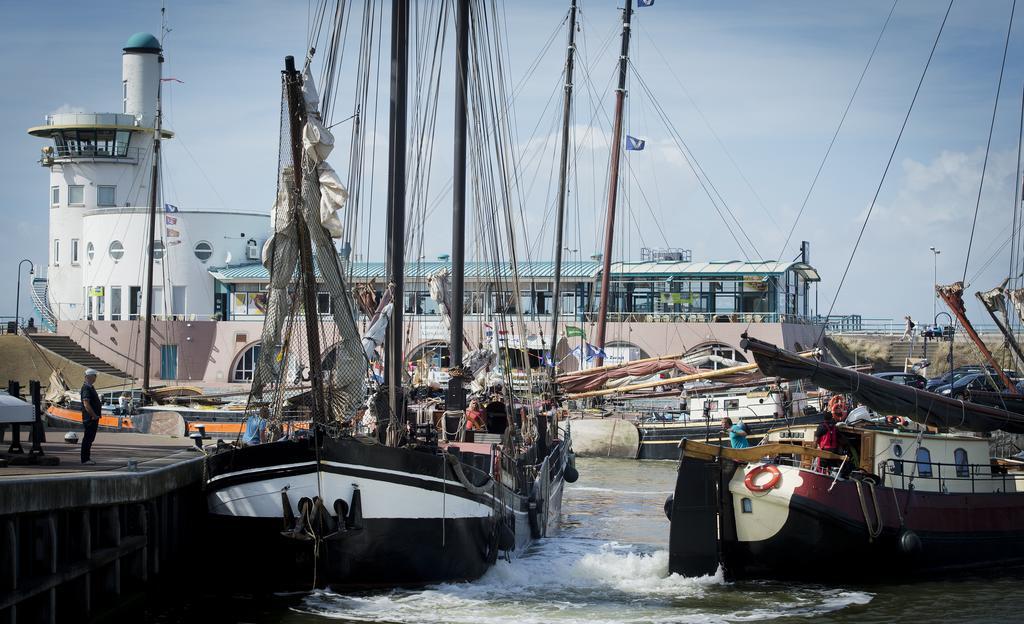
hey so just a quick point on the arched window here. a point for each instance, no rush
(963, 468)
(246, 364)
(203, 250)
(90, 251)
(116, 250)
(713, 356)
(435, 352)
(924, 462)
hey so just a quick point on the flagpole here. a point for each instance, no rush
(613, 181)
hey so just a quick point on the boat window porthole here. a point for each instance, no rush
(747, 505)
(897, 450)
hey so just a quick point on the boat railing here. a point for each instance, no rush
(946, 477)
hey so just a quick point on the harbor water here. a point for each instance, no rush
(609, 564)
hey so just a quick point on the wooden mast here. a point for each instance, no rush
(394, 358)
(154, 196)
(613, 182)
(563, 167)
(456, 399)
(297, 119)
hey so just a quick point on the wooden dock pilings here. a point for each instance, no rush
(72, 544)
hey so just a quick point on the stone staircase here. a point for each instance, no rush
(900, 351)
(71, 350)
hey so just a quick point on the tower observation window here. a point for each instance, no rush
(106, 195)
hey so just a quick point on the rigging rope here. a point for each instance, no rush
(885, 172)
(988, 144)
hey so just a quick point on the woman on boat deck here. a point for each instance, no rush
(475, 417)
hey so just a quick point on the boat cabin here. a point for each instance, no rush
(902, 459)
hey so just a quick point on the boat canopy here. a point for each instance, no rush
(884, 396)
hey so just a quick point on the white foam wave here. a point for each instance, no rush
(587, 488)
(577, 580)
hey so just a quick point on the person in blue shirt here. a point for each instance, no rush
(255, 428)
(737, 433)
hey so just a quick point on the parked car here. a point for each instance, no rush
(906, 379)
(971, 381)
(949, 377)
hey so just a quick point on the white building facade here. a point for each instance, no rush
(100, 193)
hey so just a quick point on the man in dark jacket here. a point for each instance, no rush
(91, 409)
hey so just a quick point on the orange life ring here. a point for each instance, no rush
(776, 475)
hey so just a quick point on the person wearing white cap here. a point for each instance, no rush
(91, 409)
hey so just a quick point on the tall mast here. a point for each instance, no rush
(456, 396)
(613, 181)
(396, 201)
(307, 274)
(154, 194)
(563, 168)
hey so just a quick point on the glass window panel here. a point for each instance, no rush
(106, 195)
(76, 195)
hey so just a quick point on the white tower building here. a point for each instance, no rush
(100, 175)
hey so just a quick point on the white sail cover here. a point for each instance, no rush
(281, 223)
(333, 196)
(317, 144)
(440, 289)
(374, 336)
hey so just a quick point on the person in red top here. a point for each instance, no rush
(475, 417)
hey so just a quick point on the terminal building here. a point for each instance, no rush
(100, 167)
(209, 294)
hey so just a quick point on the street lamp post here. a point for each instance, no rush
(935, 276)
(17, 293)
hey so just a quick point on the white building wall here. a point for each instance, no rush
(140, 76)
(227, 233)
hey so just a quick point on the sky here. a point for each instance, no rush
(755, 90)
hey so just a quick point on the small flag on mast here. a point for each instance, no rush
(170, 208)
(173, 233)
(644, 3)
(170, 220)
(634, 144)
(571, 331)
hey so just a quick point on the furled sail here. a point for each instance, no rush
(299, 214)
(884, 396)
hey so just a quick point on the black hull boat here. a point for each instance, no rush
(894, 502)
(812, 527)
(348, 512)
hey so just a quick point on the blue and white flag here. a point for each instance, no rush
(634, 144)
(170, 208)
(590, 353)
(644, 3)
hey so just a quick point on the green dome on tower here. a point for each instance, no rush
(142, 41)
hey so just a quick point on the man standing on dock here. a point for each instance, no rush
(91, 409)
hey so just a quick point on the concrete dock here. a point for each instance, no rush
(74, 538)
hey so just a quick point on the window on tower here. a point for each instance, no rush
(106, 195)
(76, 195)
(56, 252)
(54, 195)
(74, 251)
(116, 250)
(90, 251)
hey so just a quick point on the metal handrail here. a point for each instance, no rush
(893, 469)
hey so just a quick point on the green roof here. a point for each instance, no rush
(581, 270)
(142, 41)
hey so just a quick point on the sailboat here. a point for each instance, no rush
(352, 491)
